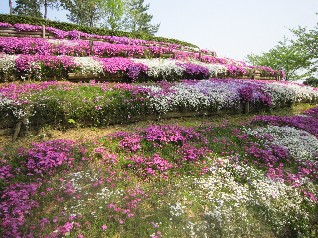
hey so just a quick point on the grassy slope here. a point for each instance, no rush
(174, 207)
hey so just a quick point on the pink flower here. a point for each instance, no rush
(104, 227)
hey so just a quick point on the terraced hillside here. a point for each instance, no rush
(88, 147)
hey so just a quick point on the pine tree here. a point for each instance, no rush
(83, 12)
(138, 19)
(27, 8)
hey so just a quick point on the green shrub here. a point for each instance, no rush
(84, 106)
(312, 81)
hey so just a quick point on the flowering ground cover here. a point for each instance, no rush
(30, 45)
(211, 180)
(40, 46)
(65, 104)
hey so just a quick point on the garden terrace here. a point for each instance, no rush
(195, 65)
(31, 45)
(66, 104)
(234, 157)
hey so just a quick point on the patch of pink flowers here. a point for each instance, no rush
(149, 166)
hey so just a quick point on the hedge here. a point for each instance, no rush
(13, 19)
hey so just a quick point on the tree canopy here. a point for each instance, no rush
(128, 15)
(285, 55)
(27, 8)
(307, 40)
(298, 57)
(138, 18)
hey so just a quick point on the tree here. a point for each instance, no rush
(307, 40)
(138, 19)
(27, 8)
(113, 14)
(285, 55)
(84, 12)
(127, 15)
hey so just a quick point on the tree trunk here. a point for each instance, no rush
(45, 9)
(10, 6)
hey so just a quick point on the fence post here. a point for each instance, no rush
(91, 47)
(246, 107)
(43, 31)
(17, 130)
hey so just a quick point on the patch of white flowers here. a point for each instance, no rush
(300, 144)
(7, 63)
(88, 65)
(63, 42)
(231, 189)
(214, 69)
(200, 95)
(177, 209)
(14, 106)
(80, 179)
(82, 182)
(283, 93)
(163, 68)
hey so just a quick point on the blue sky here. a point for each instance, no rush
(233, 28)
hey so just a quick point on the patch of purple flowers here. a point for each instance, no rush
(46, 157)
(16, 204)
(196, 71)
(6, 172)
(165, 134)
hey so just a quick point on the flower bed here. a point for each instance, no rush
(41, 67)
(58, 103)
